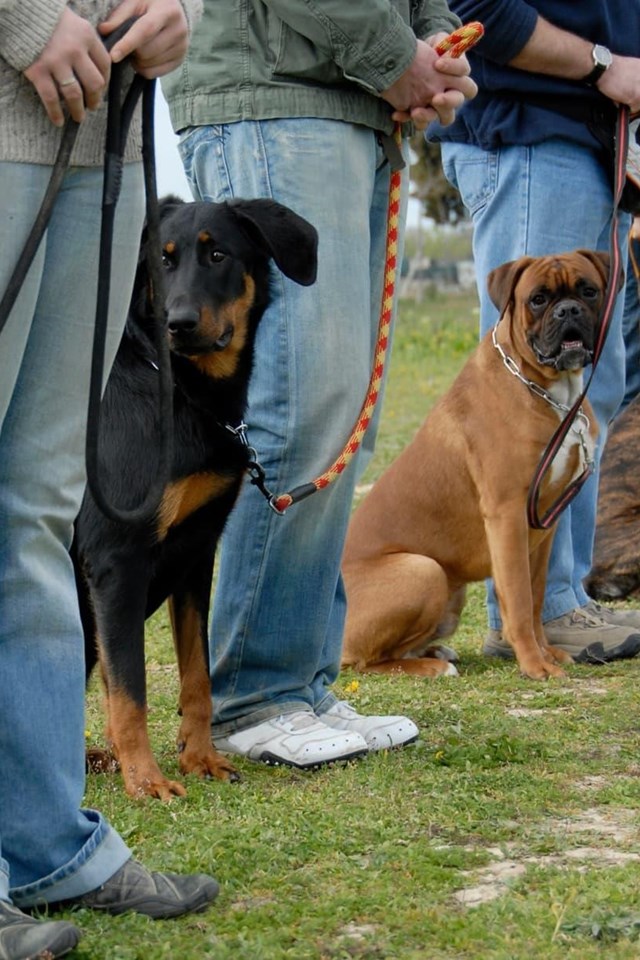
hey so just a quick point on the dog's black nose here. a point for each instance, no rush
(568, 310)
(183, 321)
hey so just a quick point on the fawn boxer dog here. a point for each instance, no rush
(452, 508)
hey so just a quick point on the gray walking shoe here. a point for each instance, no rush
(629, 618)
(25, 938)
(156, 895)
(587, 635)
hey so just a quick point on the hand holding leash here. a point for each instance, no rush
(441, 104)
(73, 67)
(157, 41)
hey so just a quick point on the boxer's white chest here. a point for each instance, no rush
(566, 391)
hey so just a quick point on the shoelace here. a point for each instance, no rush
(299, 722)
(588, 619)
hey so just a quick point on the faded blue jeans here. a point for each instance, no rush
(50, 848)
(631, 324)
(548, 198)
(276, 636)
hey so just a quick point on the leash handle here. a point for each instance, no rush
(550, 516)
(461, 39)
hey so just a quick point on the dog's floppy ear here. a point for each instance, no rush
(501, 281)
(285, 236)
(602, 262)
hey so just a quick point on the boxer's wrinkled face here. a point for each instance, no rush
(556, 304)
(561, 311)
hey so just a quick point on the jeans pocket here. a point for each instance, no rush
(473, 172)
(202, 155)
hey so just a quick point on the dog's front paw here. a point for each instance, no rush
(541, 669)
(207, 764)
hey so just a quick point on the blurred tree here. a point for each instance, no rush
(429, 185)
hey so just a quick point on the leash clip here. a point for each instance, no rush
(254, 467)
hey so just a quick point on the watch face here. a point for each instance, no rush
(601, 56)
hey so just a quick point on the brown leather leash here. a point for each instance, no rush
(611, 293)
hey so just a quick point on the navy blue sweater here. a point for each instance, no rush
(507, 109)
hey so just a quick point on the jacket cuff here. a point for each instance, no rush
(386, 61)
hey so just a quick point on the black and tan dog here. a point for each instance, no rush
(615, 573)
(217, 259)
(452, 508)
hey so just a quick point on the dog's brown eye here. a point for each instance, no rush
(216, 256)
(590, 293)
(167, 260)
(538, 300)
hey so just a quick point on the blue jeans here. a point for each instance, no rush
(547, 198)
(276, 636)
(631, 324)
(50, 848)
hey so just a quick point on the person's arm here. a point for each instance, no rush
(375, 48)
(558, 53)
(516, 35)
(26, 28)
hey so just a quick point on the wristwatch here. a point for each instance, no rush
(602, 60)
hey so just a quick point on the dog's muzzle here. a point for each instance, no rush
(566, 341)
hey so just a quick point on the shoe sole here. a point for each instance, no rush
(272, 760)
(595, 652)
(395, 746)
(499, 653)
(160, 909)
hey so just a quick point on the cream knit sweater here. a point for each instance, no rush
(26, 133)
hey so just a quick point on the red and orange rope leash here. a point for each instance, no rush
(454, 46)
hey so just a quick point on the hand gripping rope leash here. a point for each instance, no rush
(454, 45)
(119, 116)
(608, 306)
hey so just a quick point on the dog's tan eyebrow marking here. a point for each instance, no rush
(204, 236)
(169, 247)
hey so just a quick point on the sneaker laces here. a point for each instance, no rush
(587, 618)
(301, 720)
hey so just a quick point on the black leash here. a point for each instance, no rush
(611, 294)
(119, 114)
(118, 119)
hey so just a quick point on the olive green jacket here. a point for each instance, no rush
(265, 59)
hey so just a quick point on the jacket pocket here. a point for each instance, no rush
(297, 57)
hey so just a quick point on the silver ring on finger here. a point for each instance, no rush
(67, 83)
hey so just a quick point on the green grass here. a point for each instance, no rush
(521, 798)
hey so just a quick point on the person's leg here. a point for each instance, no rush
(51, 847)
(631, 324)
(530, 201)
(53, 850)
(279, 574)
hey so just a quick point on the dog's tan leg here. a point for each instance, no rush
(539, 564)
(197, 754)
(395, 603)
(128, 729)
(508, 539)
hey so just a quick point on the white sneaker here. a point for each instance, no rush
(380, 733)
(296, 739)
